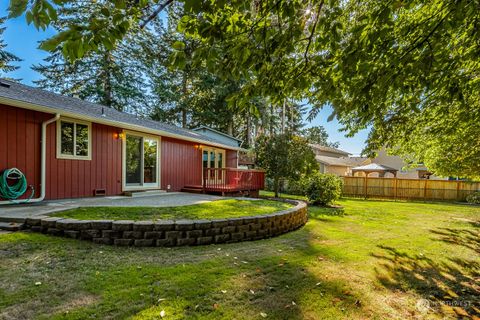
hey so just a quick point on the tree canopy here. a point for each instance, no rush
(408, 69)
(6, 57)
(285, 156)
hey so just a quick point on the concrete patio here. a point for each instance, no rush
(18, 212)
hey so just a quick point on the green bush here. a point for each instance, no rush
(474, 198)
(322, 188)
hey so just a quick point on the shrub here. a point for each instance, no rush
(322, 188)
(474, 198)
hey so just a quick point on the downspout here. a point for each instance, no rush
(43, 164)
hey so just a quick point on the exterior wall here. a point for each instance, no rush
(337, 170)
(232, 159)
(79, 178)
(20, 133)
(180, 165)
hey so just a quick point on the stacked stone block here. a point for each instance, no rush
(164, 233)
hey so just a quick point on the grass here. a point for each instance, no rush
(210, 210)
(370, 260)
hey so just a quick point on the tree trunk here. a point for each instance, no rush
(276, 186)
(184, 100)
(283, 117)
(248, 126)
(271, 120)
(107, 81)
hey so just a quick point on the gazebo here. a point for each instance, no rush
(375, 167)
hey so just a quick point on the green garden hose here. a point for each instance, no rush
(13, 191)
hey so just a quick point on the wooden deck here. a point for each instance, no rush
(229, 181)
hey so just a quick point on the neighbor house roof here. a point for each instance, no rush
(374, 167)
(20, 95)
(342, 161)
(329, 149)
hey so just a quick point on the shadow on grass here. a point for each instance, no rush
(241, 280)
(450, 287)
(463, 237)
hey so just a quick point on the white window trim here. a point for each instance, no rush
(149, 186)
(60, 155)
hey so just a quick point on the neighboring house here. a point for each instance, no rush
(396, 162)
(69, 148)
(335, 161)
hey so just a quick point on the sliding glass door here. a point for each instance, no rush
(141, 162)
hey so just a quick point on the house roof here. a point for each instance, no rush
(342, 161)
(374, 167)
(20, 95)
(200, 128)
(329, 149)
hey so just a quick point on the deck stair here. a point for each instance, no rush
(147, 193)
(193, 189)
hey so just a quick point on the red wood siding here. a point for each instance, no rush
(232, 158)
(79, 178)
(181, 164)
(20, 146)
(20, 133)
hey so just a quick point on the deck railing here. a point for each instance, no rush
(232, 180)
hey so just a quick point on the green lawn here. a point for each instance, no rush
(211, 210)
(369, 260)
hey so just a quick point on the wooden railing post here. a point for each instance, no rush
(425, 191)
(366, 185)
(458, 191)
(395, 189)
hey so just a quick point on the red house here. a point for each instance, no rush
(70, 148)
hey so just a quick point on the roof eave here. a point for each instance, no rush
(114, 123)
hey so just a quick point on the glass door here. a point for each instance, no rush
(141, 162)
(213, 159)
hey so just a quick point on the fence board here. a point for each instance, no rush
(408, 189)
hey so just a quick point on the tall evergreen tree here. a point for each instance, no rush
(6, 58)
(113, 75)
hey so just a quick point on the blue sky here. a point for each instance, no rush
(22, 40)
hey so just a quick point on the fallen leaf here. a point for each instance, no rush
(252, 292)
(38, 283)
(293, 303)
(318, 283)
(336, 300)
(224, 291)
(215, 306)
(263, 314)
(161, 299)
(162, 313)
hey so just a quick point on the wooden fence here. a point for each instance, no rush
(408, 189)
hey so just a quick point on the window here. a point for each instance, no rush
(73, 140)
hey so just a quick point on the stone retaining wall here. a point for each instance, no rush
(174, 233)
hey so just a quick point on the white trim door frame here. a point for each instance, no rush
(141, 174)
